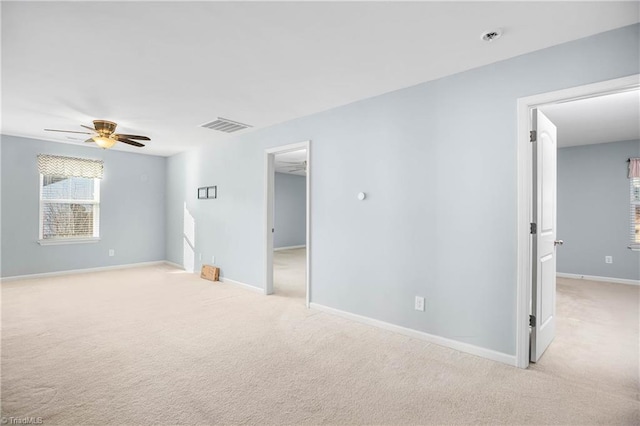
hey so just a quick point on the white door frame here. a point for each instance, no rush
(525, 189)
(269, 191)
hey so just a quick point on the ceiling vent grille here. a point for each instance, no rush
(224, 125)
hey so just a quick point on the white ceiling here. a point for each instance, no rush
(162, 69)
(601, 119)
(283, 163)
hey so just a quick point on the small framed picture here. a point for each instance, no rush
(202, 193)
(212, 192)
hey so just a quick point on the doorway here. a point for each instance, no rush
(531, 278)
(288, 221)
(594, 323)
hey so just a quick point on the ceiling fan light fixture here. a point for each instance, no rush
(103, 134)
(104, 142)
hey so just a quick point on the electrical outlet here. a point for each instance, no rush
(200, 257)
(112, 252)
(608, 259)
(213, 260)
(419, 306)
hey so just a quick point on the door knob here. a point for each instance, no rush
(558, 242)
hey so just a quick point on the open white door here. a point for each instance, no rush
(543, 229)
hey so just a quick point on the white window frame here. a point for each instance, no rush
(71, 240)
(635, 246)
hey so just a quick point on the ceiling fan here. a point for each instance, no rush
(296, 166)
(104, 136)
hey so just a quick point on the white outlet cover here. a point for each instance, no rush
(112, 252)
(419, 304)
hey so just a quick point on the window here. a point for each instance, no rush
(635, 213)
(69, 199)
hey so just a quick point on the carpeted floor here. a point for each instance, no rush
(289, 271)
(597, 337)
(157, 345)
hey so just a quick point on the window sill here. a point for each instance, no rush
(60, 241)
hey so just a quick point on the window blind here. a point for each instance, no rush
(53, 165)
(635, 212)
(69, 207)
(634, 186)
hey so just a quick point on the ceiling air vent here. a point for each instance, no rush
(224, 125)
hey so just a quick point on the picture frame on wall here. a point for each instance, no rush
(212, 192)
(202, 193)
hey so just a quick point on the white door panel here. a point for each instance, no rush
(543, 298)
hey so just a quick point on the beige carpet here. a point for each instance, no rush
(597, 336)
(289, 272)
(155, 345)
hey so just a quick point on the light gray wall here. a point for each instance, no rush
(438, 163)
(593, 210)
(132, 216)
(290, 210)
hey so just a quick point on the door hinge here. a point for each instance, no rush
(533, 229)
(532, 321)
(533, 135)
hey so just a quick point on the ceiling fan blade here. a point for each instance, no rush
(89, 140)
(67, 131)
(87, 127)
(130, 142)
(142, 138)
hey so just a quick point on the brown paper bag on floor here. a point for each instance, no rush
(210, 273)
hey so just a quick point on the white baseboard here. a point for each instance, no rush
(596, 278)
(241, 285)
(86, 270)
(441, 341)
(127, 266)
(289, 248)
